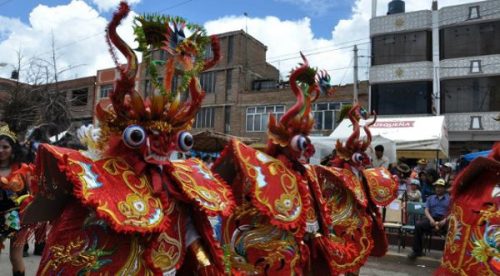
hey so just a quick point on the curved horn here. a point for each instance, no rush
(190, 108)
(368, 141)
(126, 82)
(216, 50)
(295, 109)
(355, 134)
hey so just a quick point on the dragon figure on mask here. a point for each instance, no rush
(354, 191)
(283, 224)
(123, 207)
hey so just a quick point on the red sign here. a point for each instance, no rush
(393, 124)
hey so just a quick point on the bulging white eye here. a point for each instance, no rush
(185, 141)
(134, 136)
(299, 142)
(357, 157)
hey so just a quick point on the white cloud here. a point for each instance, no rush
(107, 5)
(286, 38)
(79, 37)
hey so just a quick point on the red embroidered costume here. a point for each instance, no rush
(283, 222)
(473, 239)
(122, 207)
(373, 187)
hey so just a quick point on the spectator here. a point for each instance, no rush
(436, 210)
(413, 194)
(380, 159)
(207, 159)
(425, 186)
(403, 172)
(421, 166)
(12, 186)
(432, 175)
(445, 171)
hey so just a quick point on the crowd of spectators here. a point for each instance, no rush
(423, 184)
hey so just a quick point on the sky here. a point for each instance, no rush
(325, 30)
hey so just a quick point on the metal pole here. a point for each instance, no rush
(355, 77)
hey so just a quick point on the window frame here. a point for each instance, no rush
(205, 118)
(263, 116)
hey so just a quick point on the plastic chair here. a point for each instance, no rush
(393, 219)
(415, 212)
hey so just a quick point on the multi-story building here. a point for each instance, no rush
(79, 98)
(440, 62)
(242, 90)
(78, 93)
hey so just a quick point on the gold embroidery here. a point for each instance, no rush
(289, 205)
(135, 262)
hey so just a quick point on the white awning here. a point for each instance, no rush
(415, 137)
(325, 144)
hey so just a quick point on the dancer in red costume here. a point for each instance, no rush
(473, 239)
(14, 178)
(373, 187)
(122, 207)
(283, 224)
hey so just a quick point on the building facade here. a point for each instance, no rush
(79, 99)
(242, 90)
(441, 62)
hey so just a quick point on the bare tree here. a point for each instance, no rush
(40, 100)
(20, 106)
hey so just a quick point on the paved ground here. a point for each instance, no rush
(397, 264)
(394, 264)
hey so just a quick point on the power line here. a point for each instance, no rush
(175, 6)
(103, 32)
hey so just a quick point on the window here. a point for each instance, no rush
(402, 98)
(227, 119)
(208, 52)
(470, 40)
(229, 79)
(258, 116)
(79, 97)
(474, 12)
(205, 118)
(325, 115)
(470, 95)
(475, 123)
(475, 66)
(259, 85)
(401, 48)
(230, 42)
(105, 90)
(207, 81)
(147, 88)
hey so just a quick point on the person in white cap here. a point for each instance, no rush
(446, 171)
(414, 193)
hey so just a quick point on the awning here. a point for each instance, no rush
(471, 156)
(415, 137)
(213, 141)
(324, 145)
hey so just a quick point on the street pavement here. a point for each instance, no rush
(394, 264)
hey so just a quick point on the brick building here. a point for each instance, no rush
(242, 89)
(79, 98)
(79, 94)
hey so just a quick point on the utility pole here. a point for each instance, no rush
(355, 77)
